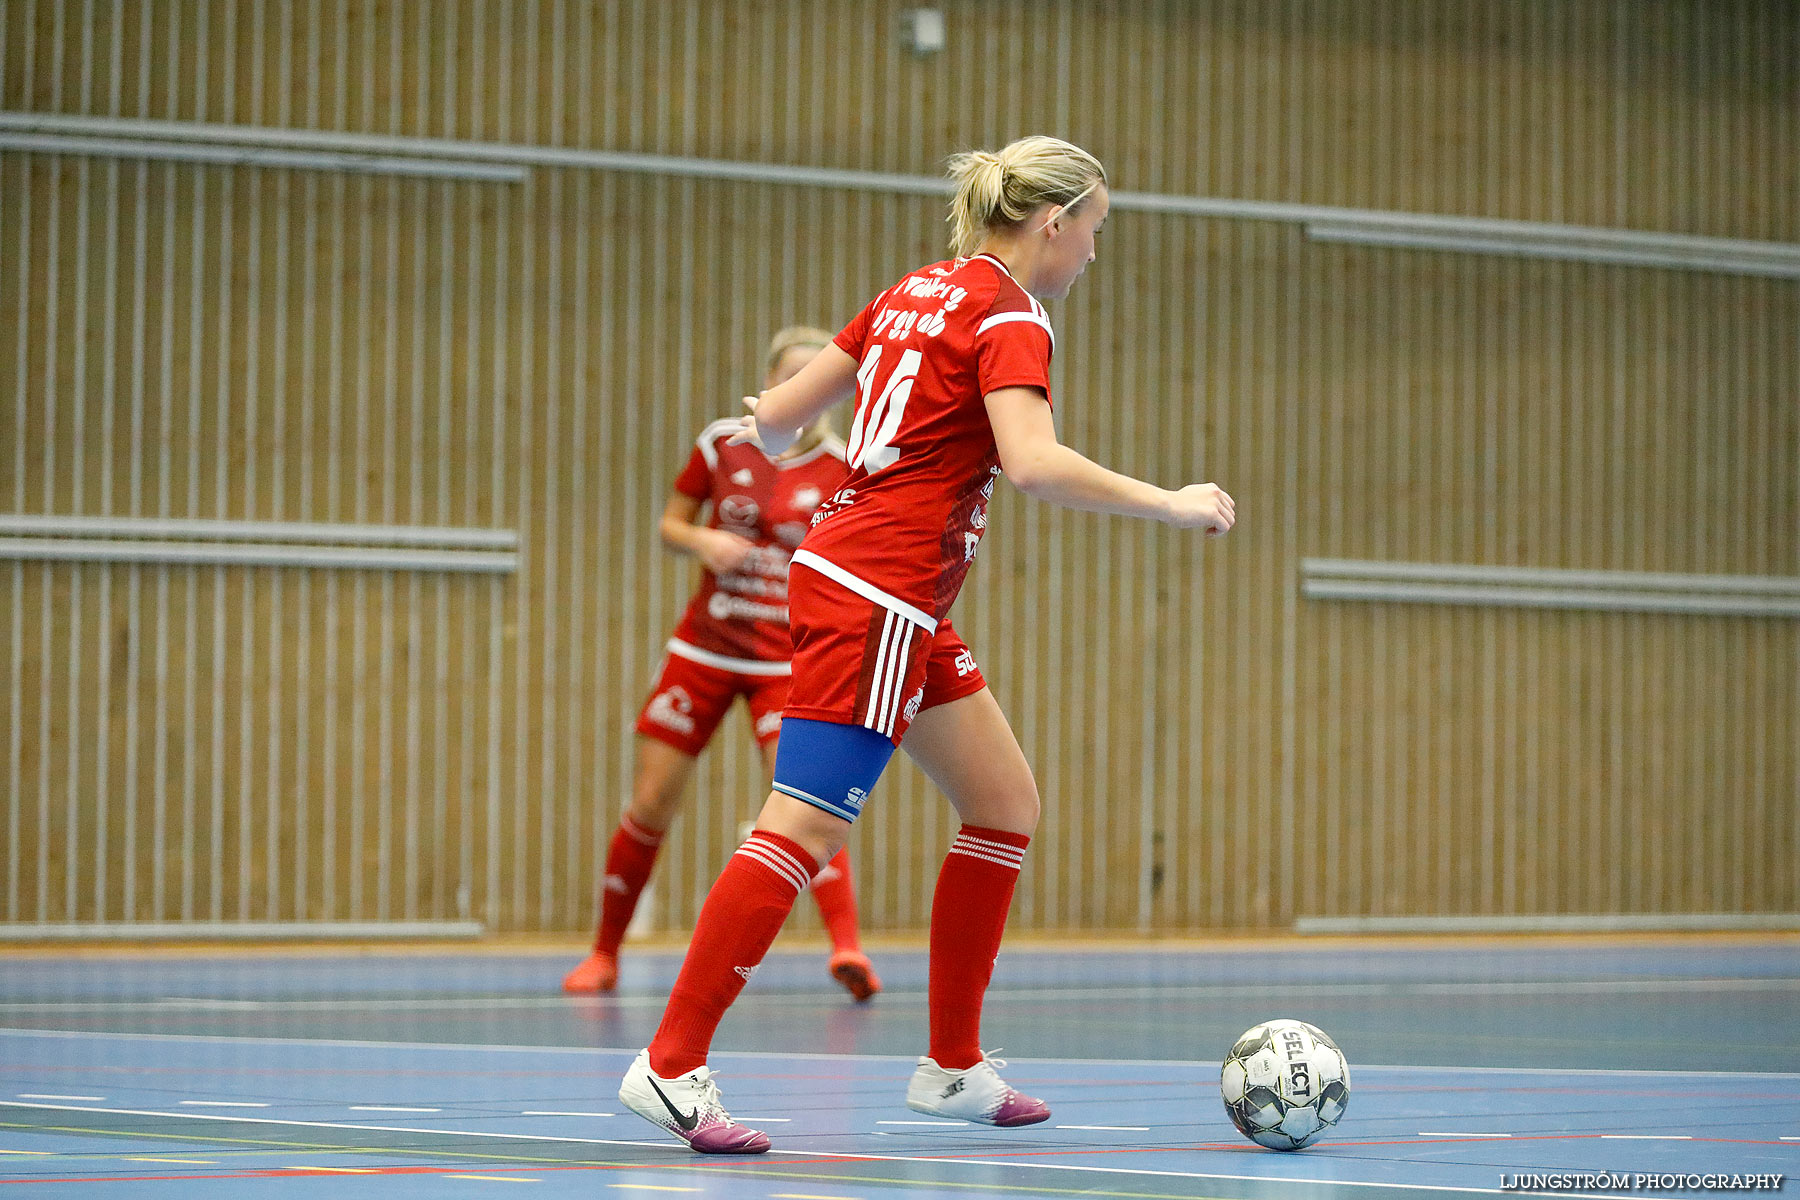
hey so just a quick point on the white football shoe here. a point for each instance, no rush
(974, 1093)
(688, 1107)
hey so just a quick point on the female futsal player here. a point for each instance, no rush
(950, 367)
(732, 641)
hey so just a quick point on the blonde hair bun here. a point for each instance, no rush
(997, 191)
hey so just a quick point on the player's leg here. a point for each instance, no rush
(669, 1083)
(833, 888)
(676, 723)
(851, 669)
(967, 748)
(755, 892)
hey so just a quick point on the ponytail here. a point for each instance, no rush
(996, 191)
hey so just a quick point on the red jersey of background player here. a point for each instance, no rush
(910, 514)
(743, 615)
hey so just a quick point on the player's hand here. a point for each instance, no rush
(772, 442)
(721, 550)
(747, 430)
(1203, 506)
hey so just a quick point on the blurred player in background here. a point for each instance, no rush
(950, 368)
(732, 641)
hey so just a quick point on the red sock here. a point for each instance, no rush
(628, 863)
(968, 915)
(836, 893)
(742, 914)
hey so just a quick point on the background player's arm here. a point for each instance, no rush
(1045, 469)
(719, 549)
(782, 412)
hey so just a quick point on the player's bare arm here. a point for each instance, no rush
(721, 550)
(1043, 468)
(779, 415)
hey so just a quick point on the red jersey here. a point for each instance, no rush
(904, 527)
(739, 621)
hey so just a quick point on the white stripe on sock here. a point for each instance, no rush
(639, 834)
(998, 849)
(777, 860)
(1004, 862)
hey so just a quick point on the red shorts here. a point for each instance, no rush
(691, 698)
(858, 663)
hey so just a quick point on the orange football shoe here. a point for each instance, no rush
(853, 969)
(595, 973)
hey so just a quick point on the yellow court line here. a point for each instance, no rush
(338, 1170)
(192, 1162)
(45, 1153)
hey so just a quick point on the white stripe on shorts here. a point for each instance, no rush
(878, 678)
(896, 674)
(890, 674)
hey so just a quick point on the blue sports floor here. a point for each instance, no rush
(449, 1074)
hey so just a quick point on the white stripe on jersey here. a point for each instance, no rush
(737, 666)
(831, 444)
(711, 434)
(1005, 317)
(868, 591)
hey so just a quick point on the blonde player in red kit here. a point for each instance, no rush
(732, 641)
(950, 368)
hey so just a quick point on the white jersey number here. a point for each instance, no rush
(878, 417)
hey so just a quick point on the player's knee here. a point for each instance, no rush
(815, 831)
(1014, 809)
(655, 803)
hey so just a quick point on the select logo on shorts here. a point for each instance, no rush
(672, 709)
(965, 663)
(855, 800)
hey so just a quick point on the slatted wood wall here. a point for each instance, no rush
(1213, 751)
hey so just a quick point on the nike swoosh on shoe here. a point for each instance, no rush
(687, 1122)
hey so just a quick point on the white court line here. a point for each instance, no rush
(629, 1053)
(938, 1124)
(1423, 1133)
(51, 1096)
(826, 1154)
(1548, 987)
(223, 1103)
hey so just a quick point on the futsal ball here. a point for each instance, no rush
(1285, 1083)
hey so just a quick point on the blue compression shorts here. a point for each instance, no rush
(829, 766)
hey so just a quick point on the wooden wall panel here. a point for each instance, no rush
(1212, 750)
